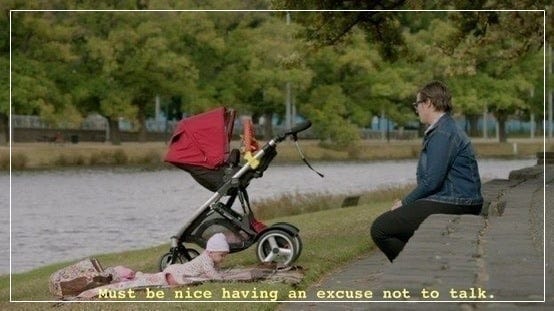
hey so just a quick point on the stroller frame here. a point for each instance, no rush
(279, 242)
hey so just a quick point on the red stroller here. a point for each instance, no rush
(200, 146)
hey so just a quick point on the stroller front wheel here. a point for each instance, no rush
(167, 258)
(278, 246)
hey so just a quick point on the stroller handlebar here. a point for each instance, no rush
(295, 130)
(267, 152)
(299, 128)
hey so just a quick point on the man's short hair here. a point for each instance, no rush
(439, 95)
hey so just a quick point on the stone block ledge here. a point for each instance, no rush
(497, 256)
(493, 261)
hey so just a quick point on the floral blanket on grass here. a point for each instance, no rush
(141, 281)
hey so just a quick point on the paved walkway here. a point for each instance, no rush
(462, 262)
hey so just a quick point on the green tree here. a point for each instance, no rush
(196, 37)
(275, 58)
(497, 58)
(41, 52)
(473, 42)
(372, 86)
(5, 71)
(327, 108)
(4, 100)
(4, 77)
(330, 27)
(132, 62)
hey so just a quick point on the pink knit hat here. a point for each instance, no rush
(217, 243)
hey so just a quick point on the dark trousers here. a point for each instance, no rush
(392, 230)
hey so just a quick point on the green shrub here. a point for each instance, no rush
(298, 203)
(4, 161)
(72, 159)
(108, 157)
(151, 157)
(120, 157)
(19, 161)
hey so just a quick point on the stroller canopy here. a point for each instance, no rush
(203, 139)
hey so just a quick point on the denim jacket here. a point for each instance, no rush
(447, 170)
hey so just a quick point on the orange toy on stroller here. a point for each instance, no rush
(200, 146)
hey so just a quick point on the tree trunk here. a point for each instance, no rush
(4, 129)
(115, 136)
(501, 118)
(473, 120)
(268, 126)
(421, 130)
(142, 124)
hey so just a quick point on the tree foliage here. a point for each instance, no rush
(343, 67)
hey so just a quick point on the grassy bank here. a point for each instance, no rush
(331, 237)
(150, 155)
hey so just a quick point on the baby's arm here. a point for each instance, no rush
(210, 271)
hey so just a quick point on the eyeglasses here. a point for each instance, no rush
(415, 104)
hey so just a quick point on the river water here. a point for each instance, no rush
(70, 214)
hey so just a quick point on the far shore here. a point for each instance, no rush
(25, 156)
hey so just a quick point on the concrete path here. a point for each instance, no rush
(460, 262)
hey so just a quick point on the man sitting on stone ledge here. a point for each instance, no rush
(448, 180)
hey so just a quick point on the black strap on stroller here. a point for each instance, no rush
(295, 138)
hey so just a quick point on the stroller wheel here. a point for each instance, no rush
(167, 258)
(297, 246)
(278, 246)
